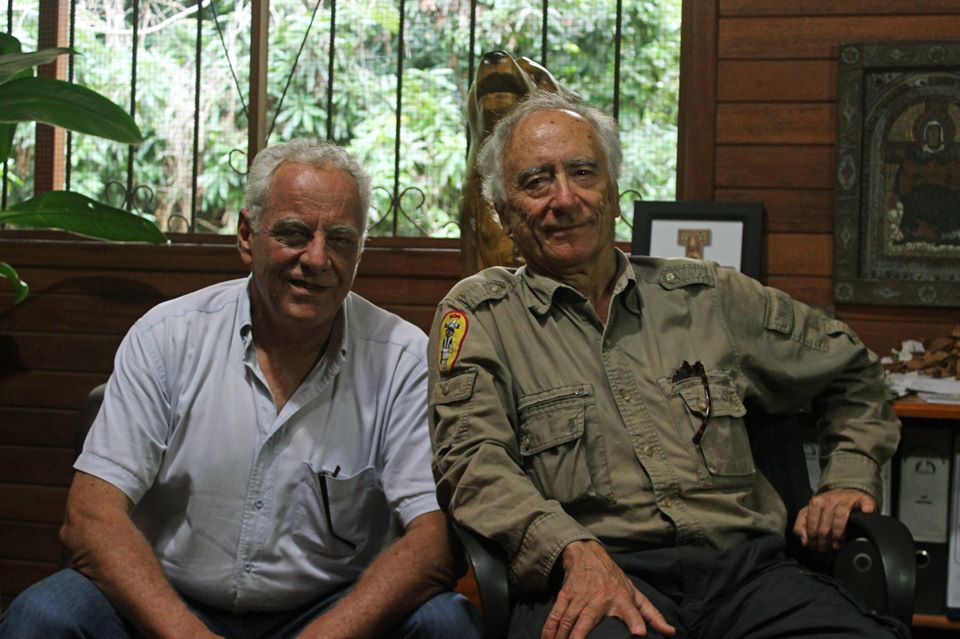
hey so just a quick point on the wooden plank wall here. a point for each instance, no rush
(60, 342)
(774, 122)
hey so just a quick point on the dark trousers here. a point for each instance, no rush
(750, 591)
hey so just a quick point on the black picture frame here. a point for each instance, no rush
(654, 221)
(897, 195)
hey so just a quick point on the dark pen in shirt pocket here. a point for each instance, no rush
(325, 496)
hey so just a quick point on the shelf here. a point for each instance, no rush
(912, 406)
(935, 621)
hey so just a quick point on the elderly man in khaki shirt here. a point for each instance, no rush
(587, 414)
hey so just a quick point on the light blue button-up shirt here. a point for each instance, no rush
(228, 491)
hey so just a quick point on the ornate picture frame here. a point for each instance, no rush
(897, 199)
(729, 233)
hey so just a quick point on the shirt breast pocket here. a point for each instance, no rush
(337, 515)
(562, 449)
(724, 444)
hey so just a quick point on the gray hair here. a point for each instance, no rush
(316, 153)
(490, 157)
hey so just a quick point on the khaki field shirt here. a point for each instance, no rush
(549, 427)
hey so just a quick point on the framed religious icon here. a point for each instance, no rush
(897, 202)
(729, 233)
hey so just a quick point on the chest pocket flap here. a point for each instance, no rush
(562, 449)
(563, 407)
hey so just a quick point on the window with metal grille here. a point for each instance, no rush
(210, 81)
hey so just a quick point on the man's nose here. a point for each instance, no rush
(315, 255)
(563, 193)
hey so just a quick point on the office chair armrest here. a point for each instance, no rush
(879, 546)
(490, 570)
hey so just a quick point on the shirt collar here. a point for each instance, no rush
(338, 340)
(541, 290)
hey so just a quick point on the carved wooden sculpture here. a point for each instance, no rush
(500, 83)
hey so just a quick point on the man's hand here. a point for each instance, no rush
(594, 587)
(822, 524)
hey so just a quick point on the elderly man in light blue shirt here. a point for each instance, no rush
(261, 465)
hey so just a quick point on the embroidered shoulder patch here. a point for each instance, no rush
(453, 330)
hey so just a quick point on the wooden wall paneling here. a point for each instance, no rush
(778, 58)
(26, 502)
(777, 123)
(859, 8)
(37, 426)
(788, 210)
(883, 328)
(73, 313)
(820, 37)
(696, 119)
(800, 254)
(33, 465)
(46, 389)
(815, 291)
(75, 352)
(772, 166)
(404, 290)
(117, 283)
(49, 250)
(777, 81)
(33, 542)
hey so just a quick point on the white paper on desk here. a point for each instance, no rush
(897, 383)
(935, 398)
(938, 385)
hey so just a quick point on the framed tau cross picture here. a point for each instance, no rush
(729, 233)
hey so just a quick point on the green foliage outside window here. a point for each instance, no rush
(432, 154)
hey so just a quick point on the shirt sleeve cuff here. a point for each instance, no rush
(542, 543)
(413, 508)
(850, 470)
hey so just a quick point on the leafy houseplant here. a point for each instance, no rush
(28, 98)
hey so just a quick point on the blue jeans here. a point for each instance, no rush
(68, 605)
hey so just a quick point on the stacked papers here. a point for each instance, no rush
(945, 390)
(936, 390)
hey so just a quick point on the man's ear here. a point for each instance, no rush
(503, 216)
(614, 195)
(244, 237)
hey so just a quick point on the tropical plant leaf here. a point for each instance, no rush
(13, 63)
(68, 105)
(20, 288)
(9, 44)
(79, 214)
(7, 131)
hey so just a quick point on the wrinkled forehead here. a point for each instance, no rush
(552, 136)
(297, 186)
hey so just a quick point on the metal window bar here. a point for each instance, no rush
(3, 191)
(72, 35)
(195, 170)
(396, 209)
